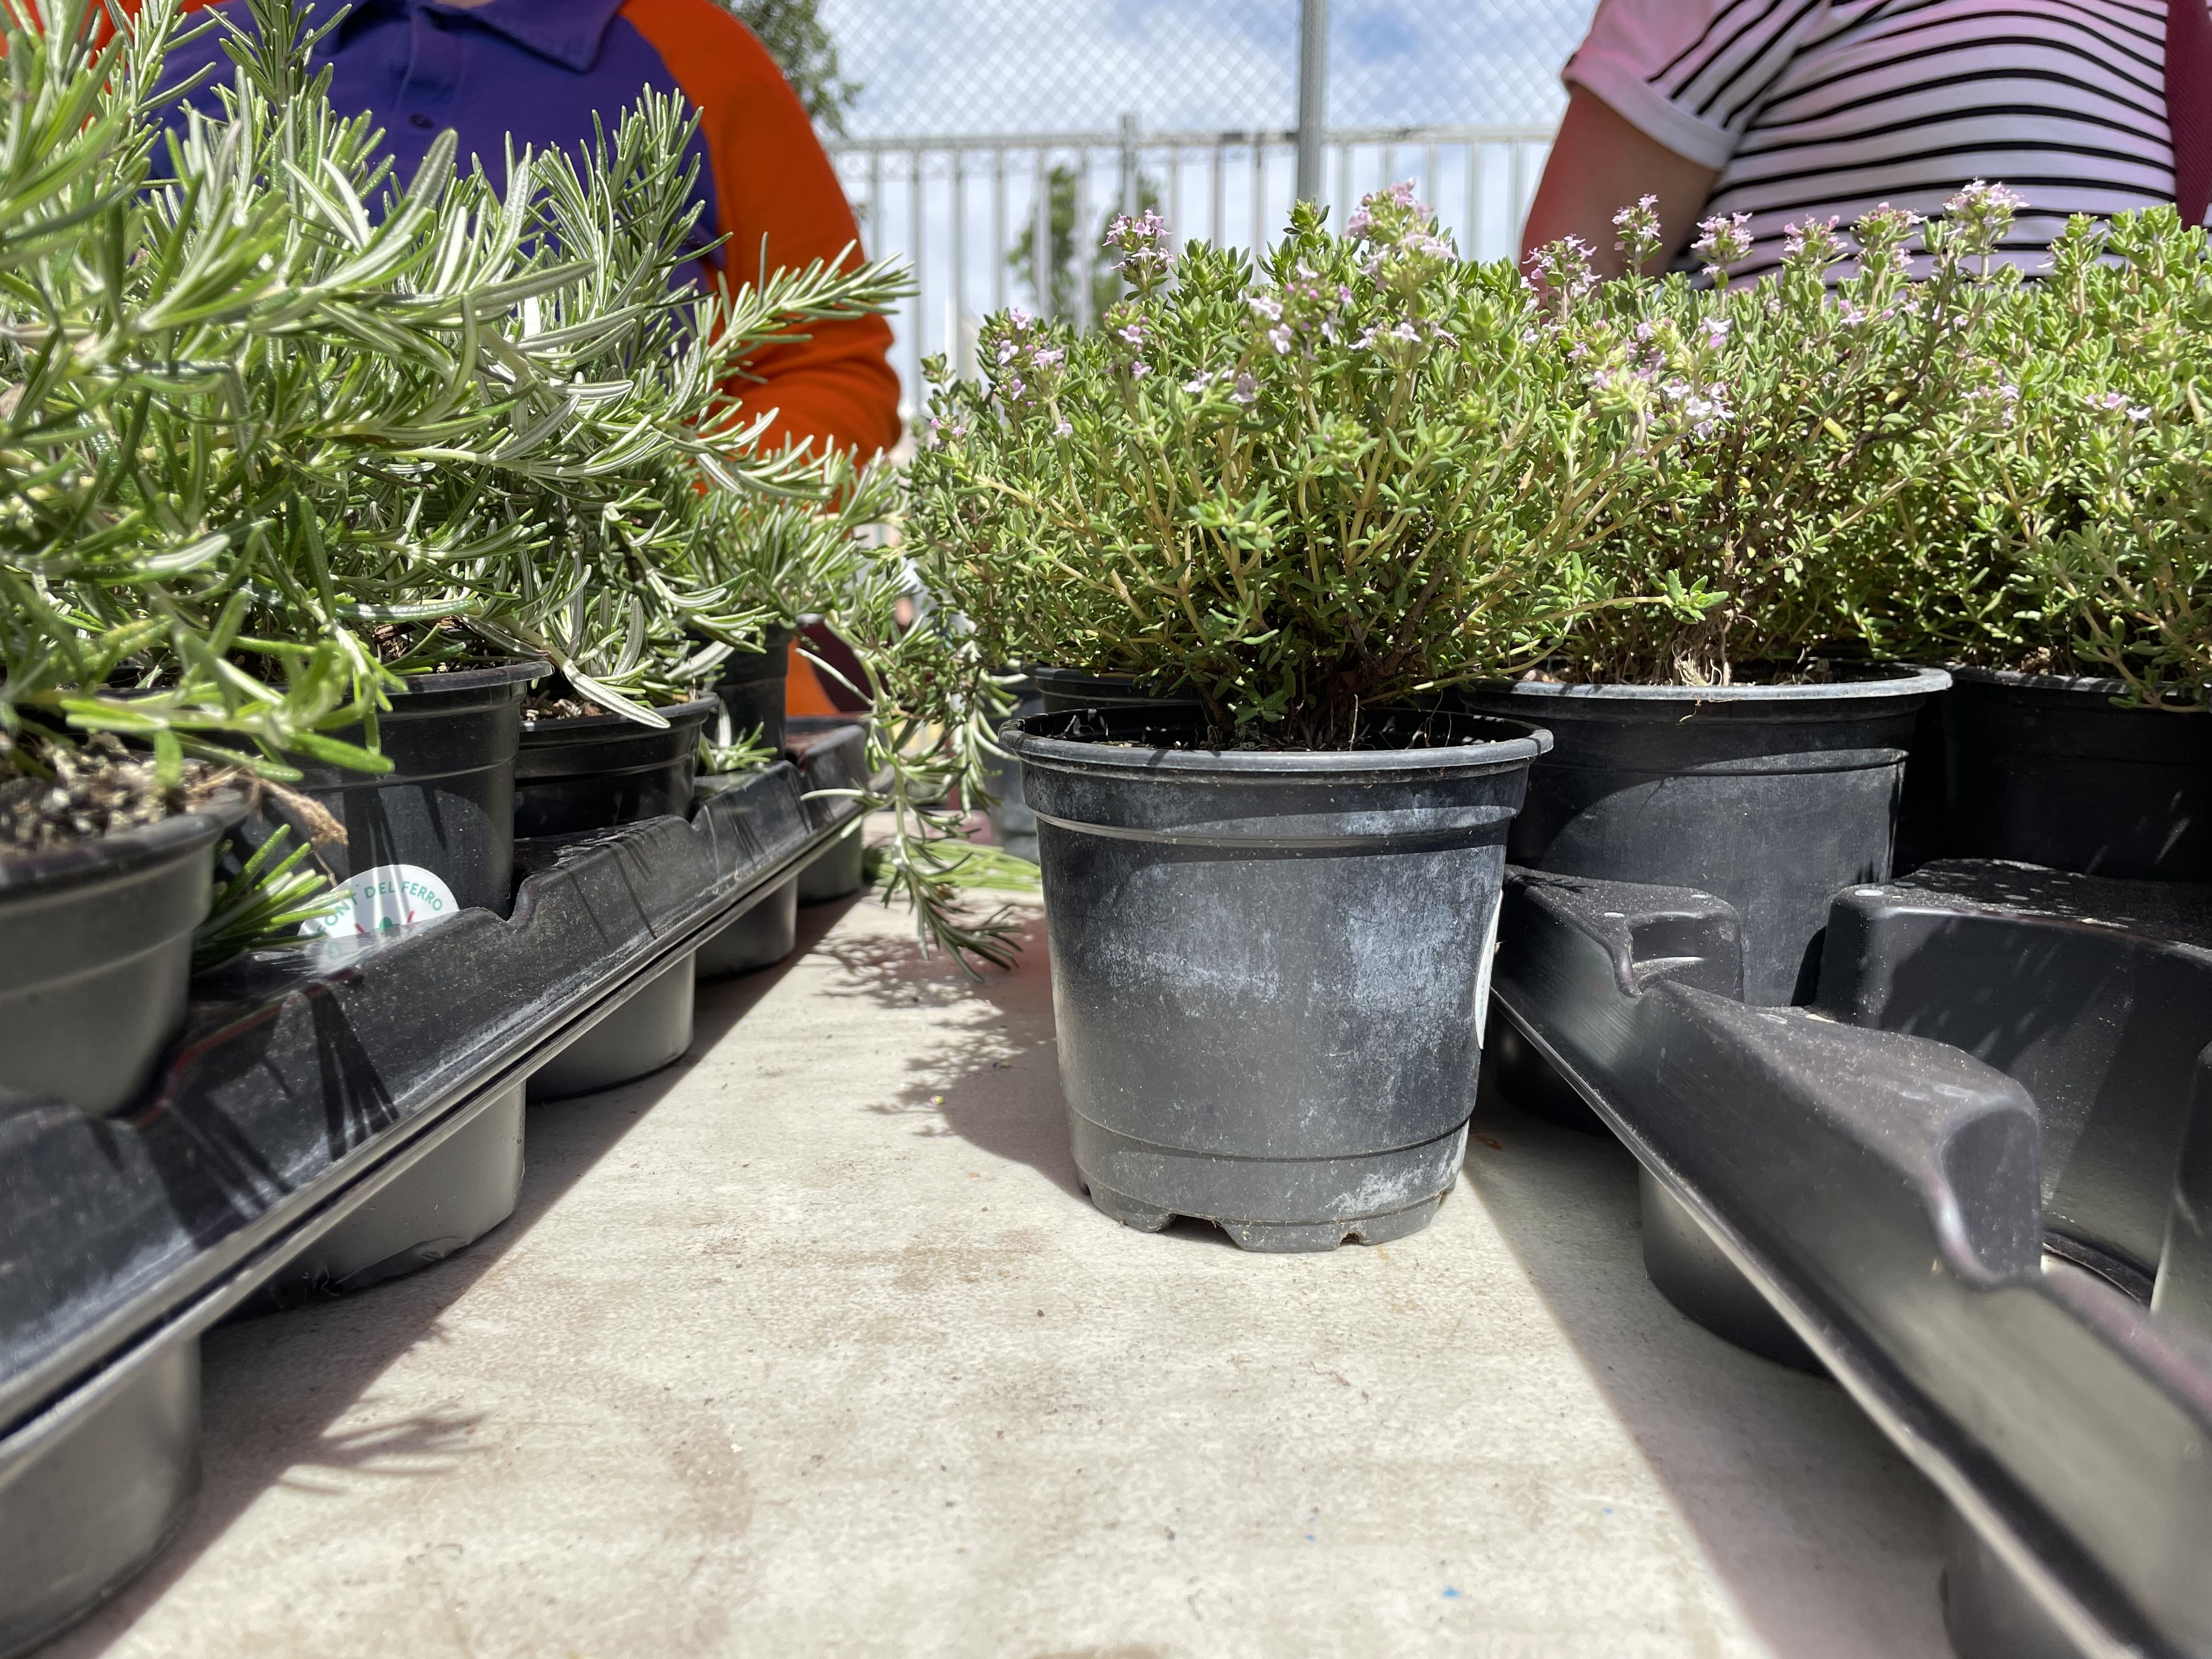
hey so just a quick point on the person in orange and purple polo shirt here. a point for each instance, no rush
(542, 70)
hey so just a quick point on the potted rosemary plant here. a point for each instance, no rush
(666, 542)
(107, 850)
(2061, 565)
(1718, 724)
(1314, 495)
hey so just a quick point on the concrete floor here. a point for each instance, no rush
(811, 1345)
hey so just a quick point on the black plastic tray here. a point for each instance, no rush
(1962, 1177)
(308, 1079)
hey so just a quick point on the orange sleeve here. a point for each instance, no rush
(773, 182)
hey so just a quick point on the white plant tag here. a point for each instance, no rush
(1482, 973)
(390, 896)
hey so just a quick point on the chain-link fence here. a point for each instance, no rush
(986, 129)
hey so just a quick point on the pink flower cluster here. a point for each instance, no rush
(1023, 365)
(1142, 242)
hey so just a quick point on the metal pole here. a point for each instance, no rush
(1041, 237)
(1313, 95)
(999, 247)
(1129, 165)
(957, 347)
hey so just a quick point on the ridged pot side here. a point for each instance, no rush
(1772, 797)
(1269, 970)
(2053, 771)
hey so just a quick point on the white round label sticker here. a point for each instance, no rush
(390, 896)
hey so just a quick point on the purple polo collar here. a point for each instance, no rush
(567, 32)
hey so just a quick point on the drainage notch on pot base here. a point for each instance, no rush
(1269, 969)
(1351, 1196)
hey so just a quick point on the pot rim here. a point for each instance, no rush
(1089, 755)
(427, 681)
(565, 726)
(120, 848)
(2091, 685)
(1903, 680)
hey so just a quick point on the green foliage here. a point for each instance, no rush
(1361, 474)
(1817, 407)
(2076, 539)
(266, 903)
(271, 445)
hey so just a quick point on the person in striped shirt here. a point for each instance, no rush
(1797, 110)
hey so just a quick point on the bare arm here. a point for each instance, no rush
(1600, 164)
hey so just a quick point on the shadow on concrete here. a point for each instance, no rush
(1824, 1535)
(992, 1079)
(365, 1333)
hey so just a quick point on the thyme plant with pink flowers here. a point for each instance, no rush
(1353, 474)
(1816, 407)
(2077, 538)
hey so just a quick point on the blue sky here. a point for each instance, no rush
(947, 66)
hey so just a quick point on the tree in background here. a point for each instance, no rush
(795, 36)
(1106, 288)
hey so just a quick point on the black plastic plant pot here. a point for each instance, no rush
(762, 936)
(837, 872)
(1013, 826)
(1771, 796)
(1066, 690)
(1270, 971)
(447, 1199)
(638, 1035)
(95, 1495)
(436, 834)
(95, 953)
(1695, 1274)
(2051, 771)
(752, 688)
(598, 770)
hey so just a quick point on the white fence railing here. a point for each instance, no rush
(955, 208)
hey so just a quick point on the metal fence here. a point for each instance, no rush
(967, 212)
